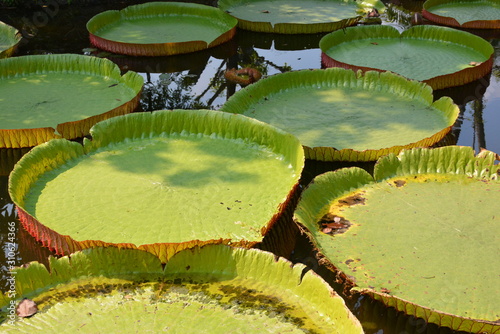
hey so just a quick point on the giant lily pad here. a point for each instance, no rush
(160, 182)
(298, 17)
(439, 56)
(9, 39)
(421, 235)
(215, 289)
(475, 14)
(161, 29)
(340, 115)
(68, 92)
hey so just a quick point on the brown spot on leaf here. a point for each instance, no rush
(352, 200)
(333, 224)
(26, 308)
(399, 183)
(385, 290)
(326, 230)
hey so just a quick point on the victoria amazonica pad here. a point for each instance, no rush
(340, 115)
(213, 289)
(475, 14)
(160, 182)
(439, 56)
(421, 235)
(296, 16)
(9, 39)
(161, 29)
(53, 96)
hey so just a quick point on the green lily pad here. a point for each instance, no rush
(214, 289)
(329, 109)
(68, 92)
(416, 235)
(439, 56)
(161, 29)
(298, 17)
(9, 39)
(475, 14)
(161, 182)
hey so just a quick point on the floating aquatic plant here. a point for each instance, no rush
(161, 29)
(215, 288)
(439, 56)
(475, 14)
(67, 95)
(340, 115)
(9, 40)
(415, 235)
(160, 182)
(298, 17)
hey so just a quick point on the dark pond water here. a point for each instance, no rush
(196, 81)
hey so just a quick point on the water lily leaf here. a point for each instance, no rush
(161, 182)
(418, 233)
(68, 94)
(298, 17)
(328, 109)
(438, 56)
(216, 288)
(161, 29)
(475, 14)
(9, 40)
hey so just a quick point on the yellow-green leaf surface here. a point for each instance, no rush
(9, 39)
(298, 17)
(422, 236)
(329, 109)
(440, 56)
(161, 28)
(169, 177)
(480, 14)
(214, 289)
(67, 95)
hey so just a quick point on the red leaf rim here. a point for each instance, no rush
(297, 28)
(452, 22)
(66, 245)
(158, 49)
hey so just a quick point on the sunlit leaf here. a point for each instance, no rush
(472, 14)
(214, 289)
(67, 95)
(298, 17)
(9, 39)
(439, 56)
(161, 182)
(161, 29)
(421, 235)
(340, 115)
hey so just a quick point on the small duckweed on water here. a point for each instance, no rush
(242, 300)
